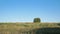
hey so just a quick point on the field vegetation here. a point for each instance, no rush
(18, 28)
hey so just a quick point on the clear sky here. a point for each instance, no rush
(27, 10)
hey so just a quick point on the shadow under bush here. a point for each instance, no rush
(46, 31)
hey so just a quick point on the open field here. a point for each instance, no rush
(24, 28)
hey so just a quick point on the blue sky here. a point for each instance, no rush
(27, 10)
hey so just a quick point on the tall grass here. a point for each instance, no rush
(18, 28)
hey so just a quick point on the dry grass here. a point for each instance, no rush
(17, 28)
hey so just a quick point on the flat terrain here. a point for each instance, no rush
(23, 28)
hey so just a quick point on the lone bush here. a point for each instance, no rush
(37, 20)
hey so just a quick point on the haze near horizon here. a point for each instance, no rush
(27, 10)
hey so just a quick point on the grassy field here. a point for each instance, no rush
(22, 28)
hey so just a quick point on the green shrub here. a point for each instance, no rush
(37, 20)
